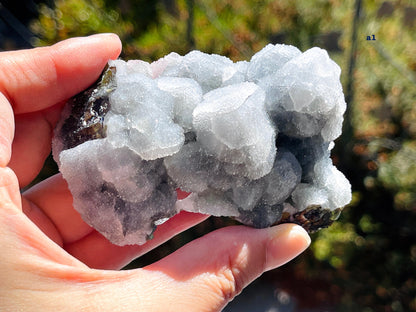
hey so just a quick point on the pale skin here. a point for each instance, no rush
(52, 261)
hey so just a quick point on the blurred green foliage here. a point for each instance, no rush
(370, 253)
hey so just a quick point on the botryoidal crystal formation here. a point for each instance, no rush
(249, 140)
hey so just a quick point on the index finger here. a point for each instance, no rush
(39, 78)
(36, 79)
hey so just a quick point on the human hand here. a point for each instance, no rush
(52, 261)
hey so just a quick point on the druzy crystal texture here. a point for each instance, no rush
(249, 140)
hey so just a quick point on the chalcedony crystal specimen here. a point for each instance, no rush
(249, 140)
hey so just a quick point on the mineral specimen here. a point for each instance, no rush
(250, 140)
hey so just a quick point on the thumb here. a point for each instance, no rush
(209, 272)
(204, 275)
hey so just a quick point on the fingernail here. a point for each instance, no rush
(285, 243)
(104, 35)
(300, 232)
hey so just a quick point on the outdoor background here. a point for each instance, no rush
(367, 260)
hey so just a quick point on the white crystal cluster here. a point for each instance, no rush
(249, 140)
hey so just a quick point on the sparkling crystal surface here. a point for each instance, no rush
(249, 140)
